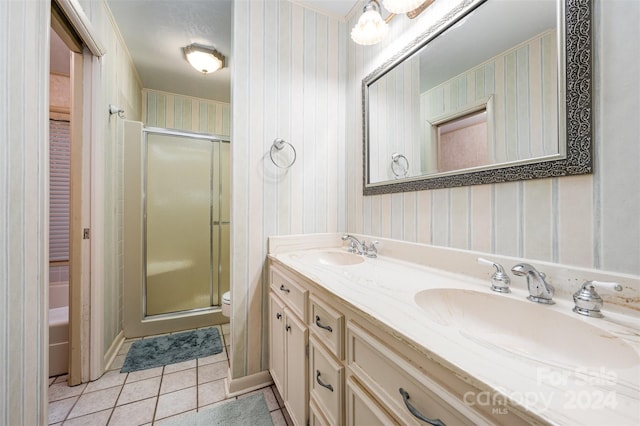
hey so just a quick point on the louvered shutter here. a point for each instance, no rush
(59, 160)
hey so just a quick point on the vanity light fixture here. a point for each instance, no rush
(371, 28)
(204, 59)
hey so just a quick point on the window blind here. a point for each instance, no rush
(59, 164)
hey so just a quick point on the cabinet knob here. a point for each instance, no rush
(417, 414)
(278, 315)
(283, 288)
(287, 327)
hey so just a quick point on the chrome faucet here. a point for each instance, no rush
(499, 280)
(355, 246)
(540, 291)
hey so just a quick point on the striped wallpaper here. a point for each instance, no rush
(24, 187)
(523, 85)
(289, 82)
(168, 110)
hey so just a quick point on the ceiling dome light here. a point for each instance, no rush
(371, 28)
(401, 6)
(204, 59)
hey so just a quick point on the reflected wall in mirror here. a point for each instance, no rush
(497, 91)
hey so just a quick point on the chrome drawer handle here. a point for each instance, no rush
(326, 327)
(278, 315)
(321, 383)
(283, 288)
(416, 413)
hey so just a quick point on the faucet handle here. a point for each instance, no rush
(587, 300)
(370, 250)
(499, 280)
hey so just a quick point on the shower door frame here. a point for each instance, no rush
(137, 323)
(192, 135)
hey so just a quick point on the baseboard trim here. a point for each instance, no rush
(113, 351)
(246, 384)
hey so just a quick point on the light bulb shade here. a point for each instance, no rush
(204, 59)
(370, 28)
(401, 6)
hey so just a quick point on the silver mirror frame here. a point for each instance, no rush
(578, 56)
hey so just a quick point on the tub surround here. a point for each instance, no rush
(383, 289)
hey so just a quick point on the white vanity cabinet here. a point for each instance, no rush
(288, 340)
(358, 371)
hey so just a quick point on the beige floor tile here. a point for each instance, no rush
(62, 379)
(179, 380)
(211, 392)
(62, 391)
(269, 397)
(215, 404)
(136, 413)
(139, 390)
(222, 356)
(117, 363)
(108, 380)
(172, 368)
(211, 372)
(226, 328)
(51, 380)
(136, 376)
(94, 419)
(177, 402)
(93, 402)
(278, 418)
(125, 347)
(173, 419)
(58, 410)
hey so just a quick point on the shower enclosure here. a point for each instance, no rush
(184, 265)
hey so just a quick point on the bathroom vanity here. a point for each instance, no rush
(388, 340)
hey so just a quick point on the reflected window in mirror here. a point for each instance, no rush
(462, 142)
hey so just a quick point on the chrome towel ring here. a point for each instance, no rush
(396, 165)
(279, 145)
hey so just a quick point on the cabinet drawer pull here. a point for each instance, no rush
(416, 413)
(283, 288)
(321, 383)
(287, 327)
(326, 327)
(278, 315)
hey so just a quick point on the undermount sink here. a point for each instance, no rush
(526, 329)
(334, 258)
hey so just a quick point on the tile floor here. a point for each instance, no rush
(149, 397)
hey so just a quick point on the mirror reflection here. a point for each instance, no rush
(484, 94)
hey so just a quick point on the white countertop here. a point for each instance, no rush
(559, 393)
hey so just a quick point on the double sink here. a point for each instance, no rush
(506, 323)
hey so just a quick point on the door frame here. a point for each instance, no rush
(86, 257)
(136, 324)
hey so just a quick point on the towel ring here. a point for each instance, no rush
(279, 145)
(395, 163)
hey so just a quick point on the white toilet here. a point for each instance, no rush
(226, 304)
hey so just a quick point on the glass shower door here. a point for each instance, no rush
(179, 208)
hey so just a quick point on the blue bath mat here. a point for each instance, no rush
(248, 411)
(171, 349)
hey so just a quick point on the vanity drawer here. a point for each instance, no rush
(362, 409)
(293, 295)
(387, 375)
(326, 382)
(328, 325)
(316, 418)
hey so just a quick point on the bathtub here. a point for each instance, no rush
(58, 328)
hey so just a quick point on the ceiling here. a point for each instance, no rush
(155, 31)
